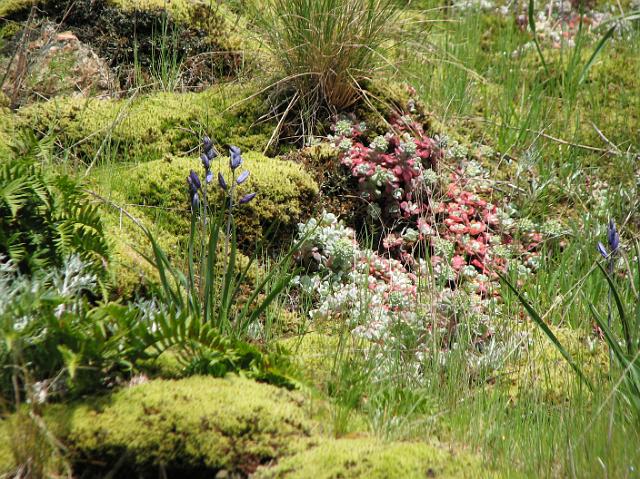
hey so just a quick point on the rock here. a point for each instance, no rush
(205, 39)
(56, 63)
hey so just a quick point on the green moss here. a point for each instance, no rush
(6, 456)
(372, 459)
(218, 22)
(8, 7)
(285, 192)
(314, 354)
(6, 130)
(544, 373)
(149, 127)
(224, 27)
(196, 424)
(615, 109)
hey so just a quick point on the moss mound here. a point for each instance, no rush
(285, 193)
(372, 459)
(192, 426)
(6, 128)
(148, 127)
(314, 354)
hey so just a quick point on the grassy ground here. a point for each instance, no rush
(569, 150)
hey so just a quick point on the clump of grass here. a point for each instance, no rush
(327, 47)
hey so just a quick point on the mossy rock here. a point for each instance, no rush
(285, 192)
(372, 459)
(149, 127)
(207, 39)
(193, 426)
(543, 372)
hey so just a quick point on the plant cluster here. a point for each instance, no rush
(210, 316)
(382, 301)
(55, 341)
(395, 170)
(328, 48)
(425, 211)
(44, 216)
(435, 275)
(353, 284)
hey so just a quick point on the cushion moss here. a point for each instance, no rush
(222, 26)
(373, 459)
(148, 127)
(6, 456)
(195, 424)
(544, 373)
(314, 353)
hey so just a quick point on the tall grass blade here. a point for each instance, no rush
(623, 317)
(595, 53)
(547, 331)
(532, 26)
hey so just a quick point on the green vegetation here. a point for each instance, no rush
(233, 424)
(150, 127)
(45, 216)
(325, 50)
(354, 458)
(442, 282)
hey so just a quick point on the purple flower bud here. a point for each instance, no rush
(195, 201)
(247, 198)
(221, 182)
(209, 149)
(209, 177)
(613, 238)
(194, 180)
(206, 163)
(236, 158)
(243, 177)
(602, 250)
(192, 189)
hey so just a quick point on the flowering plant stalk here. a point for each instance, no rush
(623, 343)
(210, 288)
(626, 349)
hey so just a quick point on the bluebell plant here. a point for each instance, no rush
(213, 278)
(613, 240)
